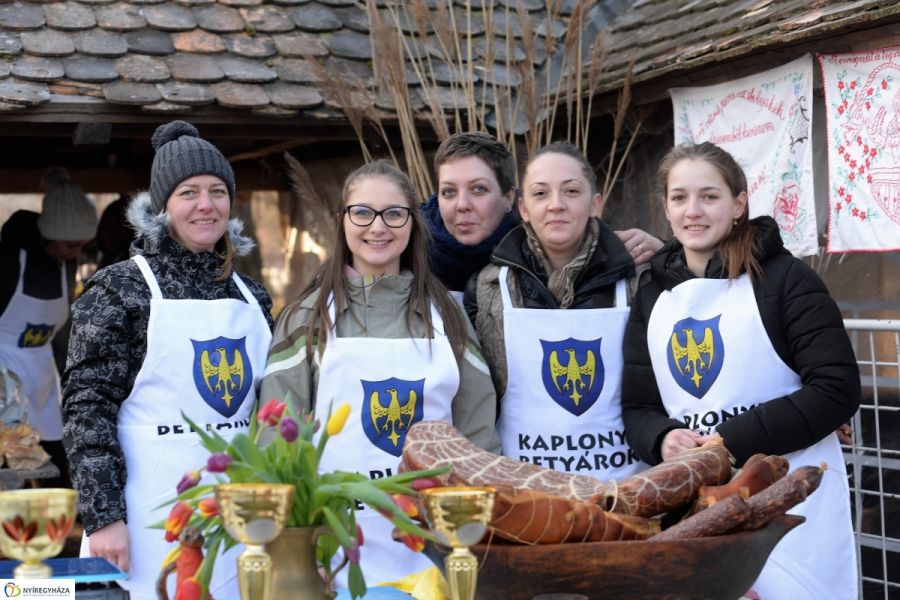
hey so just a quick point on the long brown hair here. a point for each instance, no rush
(738, 246)
(425, 287)
(225, 250)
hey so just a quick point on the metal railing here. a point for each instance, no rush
(873, 459)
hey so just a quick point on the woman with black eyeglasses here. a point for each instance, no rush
(380, 331)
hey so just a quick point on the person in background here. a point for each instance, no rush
(150, 336)
(114, 234)
(550, 311)
(35, 297)
(735, 338)
(380, 331)
(473, 209)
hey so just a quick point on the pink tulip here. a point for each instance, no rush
(271, 412)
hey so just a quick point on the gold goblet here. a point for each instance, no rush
(254, 513)
(458, 517)
(35, 524)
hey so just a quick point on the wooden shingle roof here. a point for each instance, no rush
(686, 42)
(165, 56)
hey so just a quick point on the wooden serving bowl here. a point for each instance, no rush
(721, 567)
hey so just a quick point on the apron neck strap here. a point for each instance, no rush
(248, 295)
(622, 293)
(156, 292)
(504, 288)
(149, 277)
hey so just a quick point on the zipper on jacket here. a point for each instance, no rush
(508, 263)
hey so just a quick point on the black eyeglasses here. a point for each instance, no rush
(363, 216)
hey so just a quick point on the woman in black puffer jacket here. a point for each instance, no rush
(735, 338)
(550, 311)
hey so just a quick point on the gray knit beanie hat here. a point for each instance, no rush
(67, 215)
(181, 154)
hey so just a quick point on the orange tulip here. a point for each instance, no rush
(178, 519)
(407, 505)
(413, 542)
(190, 589)
(208, 508)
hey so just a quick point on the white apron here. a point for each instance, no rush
(26, 328)
(189, 343)
(562, 408)
(418, 378)
(725, 367)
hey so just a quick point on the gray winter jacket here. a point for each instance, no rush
(377, 308)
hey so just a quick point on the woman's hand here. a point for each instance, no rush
(111, 542)
(678, 441)
(640, 244)
(845, 434)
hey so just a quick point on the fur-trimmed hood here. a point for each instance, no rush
(153, 228)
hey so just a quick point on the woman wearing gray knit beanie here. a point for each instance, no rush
(37, 255)
(174, 331)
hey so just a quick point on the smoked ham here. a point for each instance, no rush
(531, 517)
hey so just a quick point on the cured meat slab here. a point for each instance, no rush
(531, 517)
(431, 444)
(672, 483)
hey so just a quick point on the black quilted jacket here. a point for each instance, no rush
(106, 349)
(805, 328)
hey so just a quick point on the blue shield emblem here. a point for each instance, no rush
(696, 354)
(573, 373)
(222, 373)
(390, 407)
(35, 335)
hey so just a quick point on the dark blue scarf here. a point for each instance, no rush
(454, 263)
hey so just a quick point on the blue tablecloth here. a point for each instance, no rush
(82, 570)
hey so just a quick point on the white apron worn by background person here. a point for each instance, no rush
(184, 336)
(420, 377)
(26, 328)
(562, 408)
(728, 367)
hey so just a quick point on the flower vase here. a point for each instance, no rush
(295, 573)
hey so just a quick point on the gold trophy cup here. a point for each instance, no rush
(458, 517)
(254, 513)
(35, 524)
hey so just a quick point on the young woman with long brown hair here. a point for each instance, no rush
(377, 329)
(735, 338)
